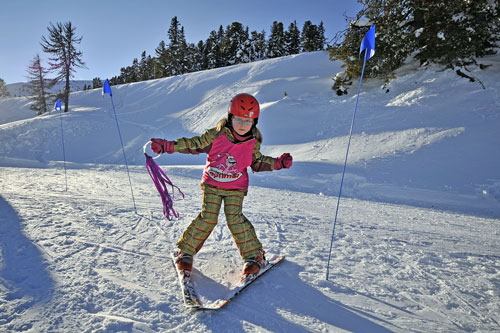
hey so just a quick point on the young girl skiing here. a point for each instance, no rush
(231, 147)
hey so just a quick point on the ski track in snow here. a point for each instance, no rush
(94, 263)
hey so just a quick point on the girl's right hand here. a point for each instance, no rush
(160, 146)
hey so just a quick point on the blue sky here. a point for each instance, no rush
(115, 32)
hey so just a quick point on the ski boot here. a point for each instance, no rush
(253, 265)
(184, 262)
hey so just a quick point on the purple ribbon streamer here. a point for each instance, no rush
(162, 182)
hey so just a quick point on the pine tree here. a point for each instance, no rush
(458, 33)
(176, 50)
(258, 45)
(215, 49)
(308, 37)
(212, 50)
(150, 67)
(61, 44)
(292, 39)
(199, 57)
(192, 58)
(3, 89)
(246, 48)
(38, 85)
(96, 83)
(130, 74)
(235, 44)
(184, 53)
(320, 40)
(223, 56)
(135, 71)
(146, 69)
(277, 44)
(203, 51)
(161, 63)
(115, 80)
(453, 34)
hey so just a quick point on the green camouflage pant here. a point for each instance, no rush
(240, 227)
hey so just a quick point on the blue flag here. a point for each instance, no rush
(368, 43)
(106, 89)
(57, 106)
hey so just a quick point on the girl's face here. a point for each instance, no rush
(242, 125)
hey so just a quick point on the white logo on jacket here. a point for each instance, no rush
(225, 171)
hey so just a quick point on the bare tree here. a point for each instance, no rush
(61, 44)
(38, 85)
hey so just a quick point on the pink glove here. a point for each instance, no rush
(284, 161)
(161, 146)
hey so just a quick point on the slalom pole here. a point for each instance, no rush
(106, 89)
(56, 108)
(368, 43)
(343, 173)
(124, 155)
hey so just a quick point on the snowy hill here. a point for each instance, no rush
(406, 140)
(416, 243)
(21, 89)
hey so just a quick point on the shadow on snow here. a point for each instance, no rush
(24, 276)
(292, 304)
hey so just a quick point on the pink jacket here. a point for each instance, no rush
(228, 158)
(227, 163)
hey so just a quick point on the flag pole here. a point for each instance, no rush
(57, 107)
(106, 89)
(368, 44)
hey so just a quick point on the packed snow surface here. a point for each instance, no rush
(416, 241)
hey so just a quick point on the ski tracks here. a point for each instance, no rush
(99, 253)
(405, 268)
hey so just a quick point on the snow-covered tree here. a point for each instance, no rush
(292, 39)
(177, 49)
(96, 83)
(146, 67)
(161, 62)
(212, 50)
(223, 47)
(276, 46)
(200, 57)
(320, 40)
(258, 45)
(193, 57)
(245, 53)
(308, 37)
(234, 44)
(3, 89)
(454, 34)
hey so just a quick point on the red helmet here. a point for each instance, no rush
(244, 105)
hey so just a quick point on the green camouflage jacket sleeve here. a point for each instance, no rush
(196, 144)
(203, 143)
(261, 162)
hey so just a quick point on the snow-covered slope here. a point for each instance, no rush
(21, 89)
(430, 133)
(416, 244)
